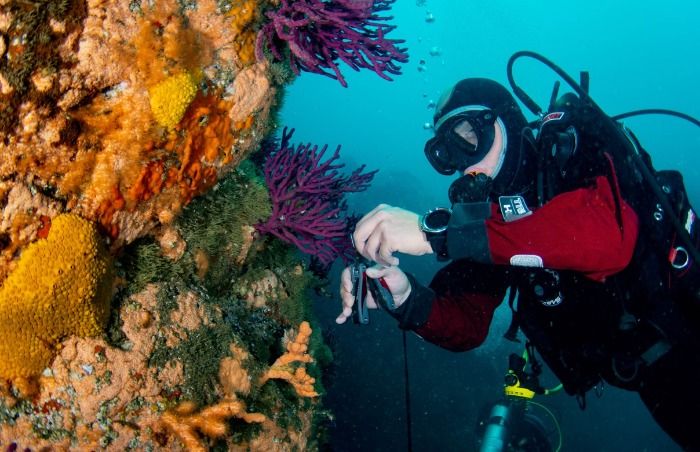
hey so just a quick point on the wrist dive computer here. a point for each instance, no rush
(434, 224)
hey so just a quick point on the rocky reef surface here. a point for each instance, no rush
(139, 309)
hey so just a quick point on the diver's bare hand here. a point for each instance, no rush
(346, 297)
(386, 230)
(394, 277)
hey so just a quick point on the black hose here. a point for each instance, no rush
(656, 111)
(529, 103)
(407, 394)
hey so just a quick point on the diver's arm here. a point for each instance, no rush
(456, 310)
(576, 230)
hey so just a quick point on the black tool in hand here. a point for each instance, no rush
(360, 313)
(361, 284)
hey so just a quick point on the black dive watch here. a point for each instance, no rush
(434, 224)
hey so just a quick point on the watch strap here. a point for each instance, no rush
(438, 242)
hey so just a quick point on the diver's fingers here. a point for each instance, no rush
(344, 316)
(369, 215)
(386, 255)
(345, 281)
(346, 297)
(366, 227)
(378, 271)
(371, 248)
(379, 247)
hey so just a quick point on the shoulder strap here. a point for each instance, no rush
(512, 333)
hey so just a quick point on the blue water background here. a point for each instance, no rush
(640, 54)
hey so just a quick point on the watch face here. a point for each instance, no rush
(437, 219)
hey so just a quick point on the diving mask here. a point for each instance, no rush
(462, 138)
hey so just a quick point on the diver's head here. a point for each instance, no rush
(478, 128)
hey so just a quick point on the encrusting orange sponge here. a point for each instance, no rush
(62, 286)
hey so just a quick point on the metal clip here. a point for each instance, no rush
(659, 214)
(684, 255)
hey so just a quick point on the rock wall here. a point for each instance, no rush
(133, 119)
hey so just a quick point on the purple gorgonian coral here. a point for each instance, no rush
(318, 33)
(308, 199)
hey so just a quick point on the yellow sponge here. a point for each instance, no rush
(62, 286)
(170, 98)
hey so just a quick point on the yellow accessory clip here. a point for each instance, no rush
(515, 390)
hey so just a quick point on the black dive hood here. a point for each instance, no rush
(518, 167)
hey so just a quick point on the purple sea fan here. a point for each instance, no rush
(308, 199)
(321, 32)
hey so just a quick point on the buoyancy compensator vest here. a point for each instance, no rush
(585, 330)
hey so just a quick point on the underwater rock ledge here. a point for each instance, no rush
(193, 332)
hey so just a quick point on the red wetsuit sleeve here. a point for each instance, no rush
(576, 230)
(459, 323)
(456, 310)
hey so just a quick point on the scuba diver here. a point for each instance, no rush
(598, 249)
